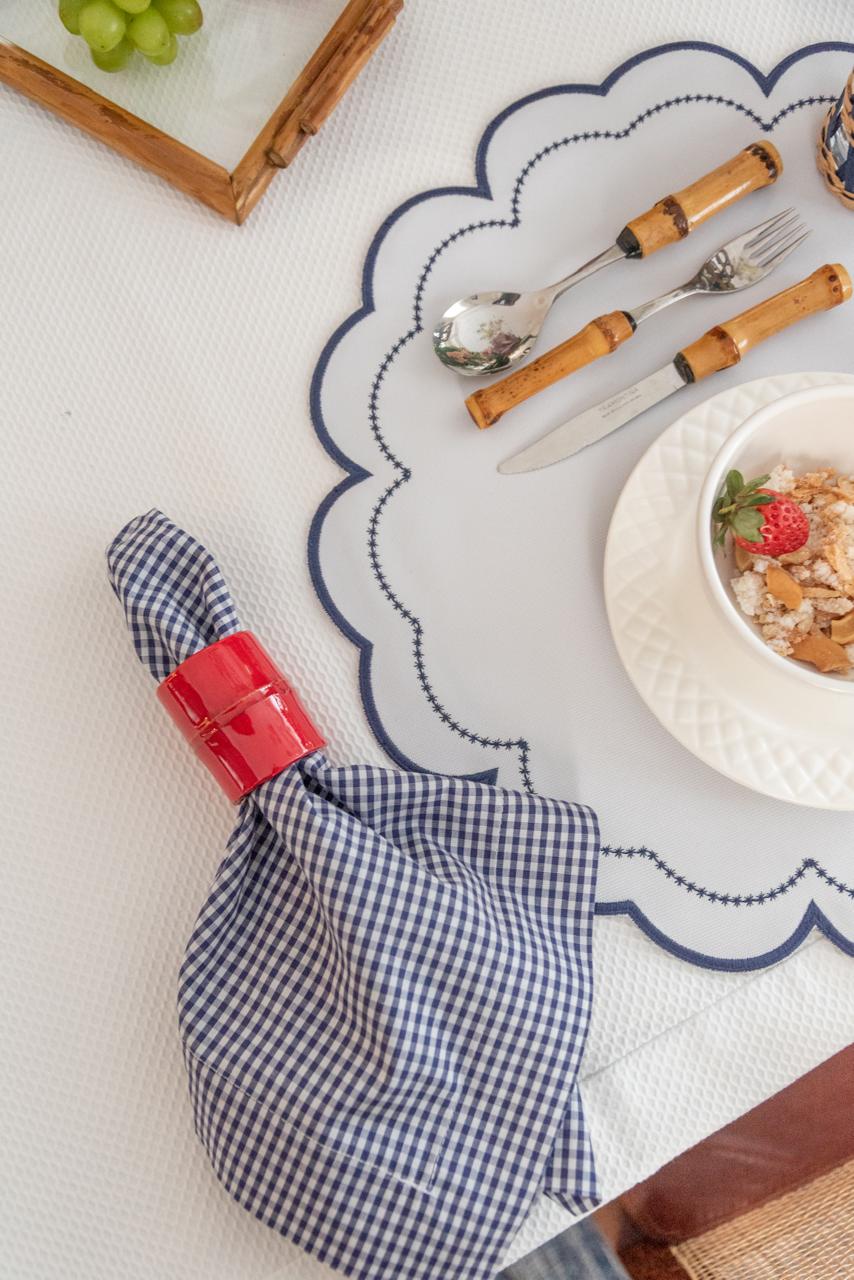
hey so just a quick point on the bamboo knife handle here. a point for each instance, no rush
(598, 338)
(725, 345)
(673, 217)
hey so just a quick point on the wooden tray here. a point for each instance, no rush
(232, 190)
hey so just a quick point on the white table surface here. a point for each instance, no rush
(151, 354)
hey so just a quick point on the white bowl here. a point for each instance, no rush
(807, 430)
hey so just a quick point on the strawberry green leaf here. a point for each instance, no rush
(747, 523)
(734, 484)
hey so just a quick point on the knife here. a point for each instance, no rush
(719, 348)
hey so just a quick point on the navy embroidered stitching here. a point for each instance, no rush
(730, 899)
(404, 474)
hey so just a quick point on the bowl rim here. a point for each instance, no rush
(709, 492)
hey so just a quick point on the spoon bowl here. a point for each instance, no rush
(488, 332)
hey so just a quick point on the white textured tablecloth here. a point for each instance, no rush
(153, 355)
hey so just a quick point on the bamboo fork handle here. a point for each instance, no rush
(598, 338)
(675, 216)
(724, 346)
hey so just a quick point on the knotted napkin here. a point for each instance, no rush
(384, 1000)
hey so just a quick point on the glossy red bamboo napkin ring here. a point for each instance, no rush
(238, 713)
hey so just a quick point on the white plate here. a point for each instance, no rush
(751, 722)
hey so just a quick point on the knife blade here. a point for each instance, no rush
(719, 348)
(588, 427)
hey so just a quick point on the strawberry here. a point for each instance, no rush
(760, 520)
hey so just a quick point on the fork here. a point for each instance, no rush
(738, 264)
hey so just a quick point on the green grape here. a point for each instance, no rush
(102, 25)
(163, 59)
(150, 34)
(116, 58)
(69, 15)
(113, 29)
(182, 16)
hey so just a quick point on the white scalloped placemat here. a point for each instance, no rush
(475, 598)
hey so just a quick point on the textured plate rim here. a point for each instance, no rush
(658, 708)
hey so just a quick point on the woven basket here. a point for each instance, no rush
(840, 116)
(804, 1235)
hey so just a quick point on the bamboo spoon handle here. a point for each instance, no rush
(598, 338)
(675, 216)
(724, 346)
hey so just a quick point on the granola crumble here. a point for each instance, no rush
(808, 593)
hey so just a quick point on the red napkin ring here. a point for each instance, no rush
(238, 713)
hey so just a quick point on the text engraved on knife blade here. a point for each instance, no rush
(607, 408)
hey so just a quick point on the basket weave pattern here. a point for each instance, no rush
(826, 163)
(805, 1235)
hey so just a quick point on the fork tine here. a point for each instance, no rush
(776, 241)
(770, 222)
(773, 225)
(767, 264)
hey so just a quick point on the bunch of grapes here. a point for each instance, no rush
(114, 29)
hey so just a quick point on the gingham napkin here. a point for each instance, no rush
(384, 1001)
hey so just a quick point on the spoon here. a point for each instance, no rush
(488, 332)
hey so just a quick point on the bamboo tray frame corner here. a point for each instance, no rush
(347, 48)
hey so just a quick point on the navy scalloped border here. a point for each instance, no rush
(813, 916)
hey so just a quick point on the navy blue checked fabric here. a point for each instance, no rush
(384, 1001)
(841, 146)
